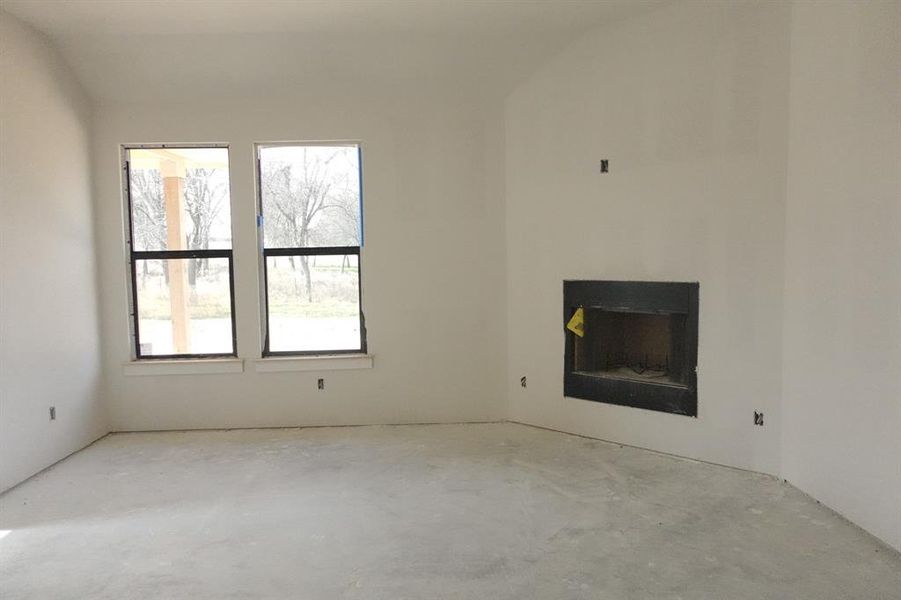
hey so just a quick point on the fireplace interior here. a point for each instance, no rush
(631, 345)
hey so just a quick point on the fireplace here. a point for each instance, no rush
(638, 345)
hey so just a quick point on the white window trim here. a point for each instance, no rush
(317, 362)
(193, 366)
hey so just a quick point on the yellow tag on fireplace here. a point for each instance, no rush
(577, 323)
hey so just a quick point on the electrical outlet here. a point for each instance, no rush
(53, 413)
(522, 381)
(321, 384)
(605, 166)
(758, 418)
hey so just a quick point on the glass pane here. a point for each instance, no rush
(314, 303)
(311, 196)
(184, 306)
(180, 198)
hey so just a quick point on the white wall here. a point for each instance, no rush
(842, 413)
(689, 104)
(433, 288)
(50, 351)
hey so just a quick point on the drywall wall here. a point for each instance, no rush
(710, 148)
(50, 355)
(433, 289)
(689, 104)
(842, 344)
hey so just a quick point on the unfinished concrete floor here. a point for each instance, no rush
(493, 511)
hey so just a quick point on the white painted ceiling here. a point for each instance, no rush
(171, 50)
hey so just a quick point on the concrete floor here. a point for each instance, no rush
(494, 511)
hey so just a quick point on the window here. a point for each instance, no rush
(310, 207)
(180, 251)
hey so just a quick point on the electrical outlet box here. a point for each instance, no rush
(320, 384)
(522, 381)
(758, 418)
(53, 413)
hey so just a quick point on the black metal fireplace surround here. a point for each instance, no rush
(640, 344)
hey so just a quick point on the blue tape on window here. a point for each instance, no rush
(360, 171)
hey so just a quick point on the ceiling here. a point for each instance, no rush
(171, 50)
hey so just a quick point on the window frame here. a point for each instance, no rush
(133, 256)
(265, 253)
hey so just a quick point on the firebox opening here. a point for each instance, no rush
(635, 346)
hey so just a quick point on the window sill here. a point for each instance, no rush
(203, 366)
(334, 362)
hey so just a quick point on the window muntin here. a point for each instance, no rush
(180, 251)
(310, 202)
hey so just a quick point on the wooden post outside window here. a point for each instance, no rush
(173, 173)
